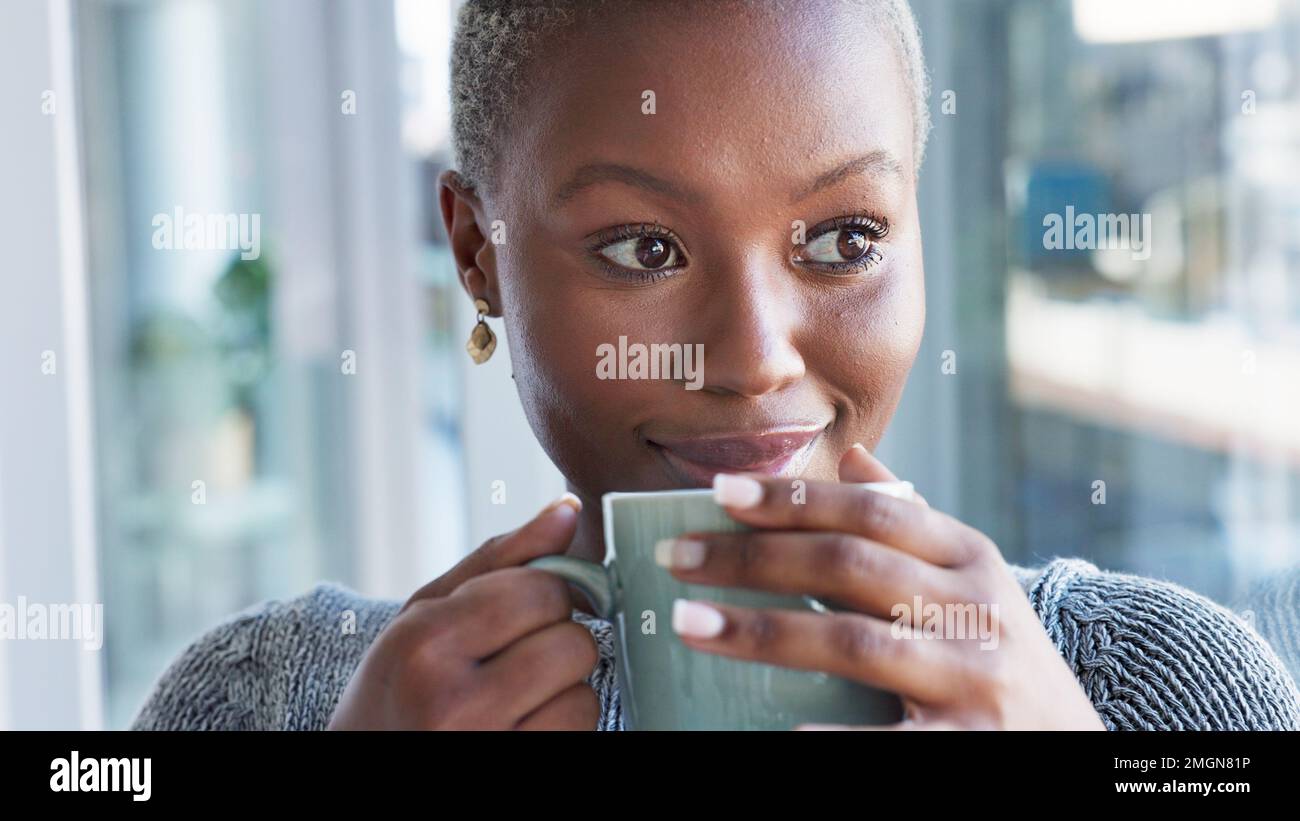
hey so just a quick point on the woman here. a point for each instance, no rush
(741, 176)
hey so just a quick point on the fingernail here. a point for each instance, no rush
(681, 554)
(861, 447)
(736, 491)
(691, 618)
(567, 500)
(899, 489)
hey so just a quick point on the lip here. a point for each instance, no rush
(695, 459)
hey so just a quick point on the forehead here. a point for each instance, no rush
(747, 99)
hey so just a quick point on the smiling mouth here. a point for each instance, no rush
(693, 461)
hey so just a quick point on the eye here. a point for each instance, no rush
(644, 252)
(841, 245)
(844, 244)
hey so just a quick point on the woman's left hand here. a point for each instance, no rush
(871, 556)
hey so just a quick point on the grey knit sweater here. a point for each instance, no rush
(1150, 655)
(1272, 607)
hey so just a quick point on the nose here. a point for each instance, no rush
(752, 317)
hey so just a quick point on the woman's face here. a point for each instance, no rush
(679, 227)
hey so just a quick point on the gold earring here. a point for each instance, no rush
(482, 342)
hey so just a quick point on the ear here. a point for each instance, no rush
(465, 219)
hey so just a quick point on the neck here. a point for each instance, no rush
(588, 543)
(589, 540)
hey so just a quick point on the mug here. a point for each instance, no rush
(665, 685)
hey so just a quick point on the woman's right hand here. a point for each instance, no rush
(487, 645)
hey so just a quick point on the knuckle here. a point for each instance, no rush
(452, 702)
(799, 513)
(475, 585)
(877, 514)
(853, 641)
(433, 686)
(437, 630)
(422, 626)
(545, 593)
(990, 679)
(425, 654)
(527, 589)
(980, 585)
(581, 645)
(846, 557)
(749, 550)
(975, 546)
(492, 543)
(420, 677)
(430, 590)
(760, 631)
(1001, 682)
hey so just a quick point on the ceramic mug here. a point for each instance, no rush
(665, 685)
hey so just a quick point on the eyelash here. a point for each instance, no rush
(641, 230)
(875, 227)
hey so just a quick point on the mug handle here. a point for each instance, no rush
(591, 578)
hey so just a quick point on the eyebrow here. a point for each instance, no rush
(589, 175)
(878, 161)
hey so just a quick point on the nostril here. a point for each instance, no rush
(752, 373)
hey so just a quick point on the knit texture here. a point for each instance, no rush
(1149, 654)
(1272, 607)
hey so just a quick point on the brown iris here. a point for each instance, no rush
(851, 244)
(652, 252)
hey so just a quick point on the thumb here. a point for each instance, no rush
(859, 465)
(549, 532)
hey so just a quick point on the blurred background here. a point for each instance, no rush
(221, 431)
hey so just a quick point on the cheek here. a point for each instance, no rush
(875, 339)
(554, 355)
(555, 326)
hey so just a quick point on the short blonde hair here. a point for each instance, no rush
(495, 40)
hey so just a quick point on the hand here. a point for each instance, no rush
(873, 555)
(488, 645)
